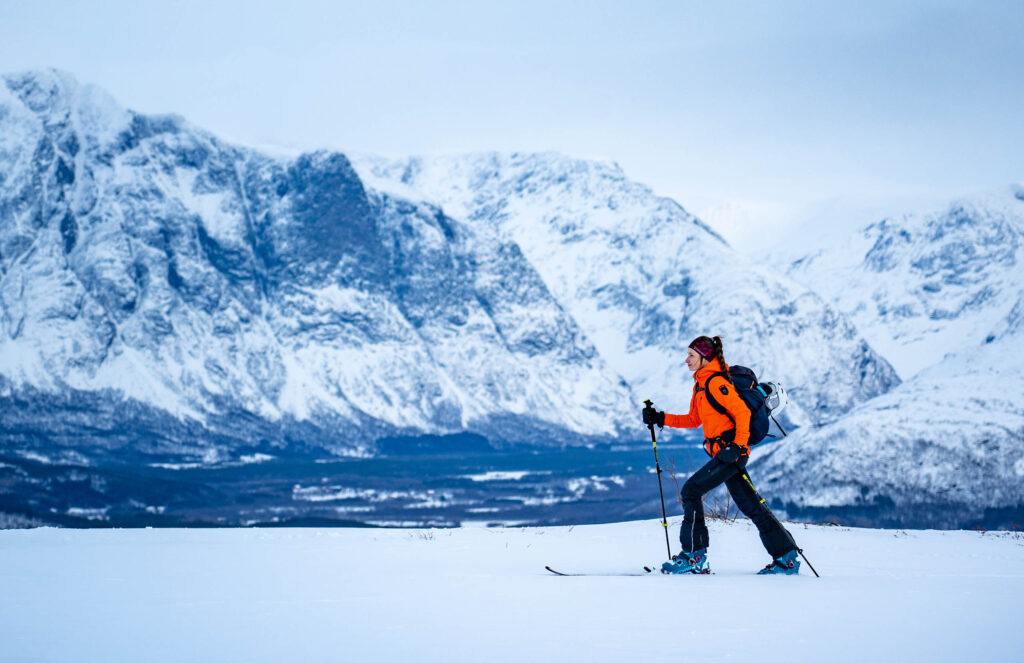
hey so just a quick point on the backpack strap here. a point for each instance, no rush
(719, 408)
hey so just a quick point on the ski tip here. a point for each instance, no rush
(600, 573)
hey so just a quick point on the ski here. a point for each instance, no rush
(705, 572)
(561, 573)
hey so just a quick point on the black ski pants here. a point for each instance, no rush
(694, 533)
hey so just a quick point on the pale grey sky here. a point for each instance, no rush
(752, 114)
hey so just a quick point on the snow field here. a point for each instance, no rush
(478, 594)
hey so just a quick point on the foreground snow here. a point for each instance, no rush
(483, 594)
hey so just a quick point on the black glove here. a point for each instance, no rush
(729, 454)
(652, 417)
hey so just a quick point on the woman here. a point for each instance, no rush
(725, 440)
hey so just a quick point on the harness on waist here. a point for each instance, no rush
(712, 445)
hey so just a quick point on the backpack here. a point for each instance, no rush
(763, 400)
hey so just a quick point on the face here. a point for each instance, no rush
(694, 361)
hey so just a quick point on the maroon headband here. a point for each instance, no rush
(702, 346)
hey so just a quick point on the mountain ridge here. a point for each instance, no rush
(143, 255)
(643, 276)
(200, 277)
(944, 292)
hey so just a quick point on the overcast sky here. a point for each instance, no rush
(755, 115)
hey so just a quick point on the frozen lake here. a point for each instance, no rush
(410, 489)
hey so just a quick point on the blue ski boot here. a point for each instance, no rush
(787, 565)
(688, 562)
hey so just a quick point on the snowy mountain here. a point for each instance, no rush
(922, 285)
(643, 277)
(165, 292)
(197, 297)
(167, 297)
(475, 594)
(945, 447)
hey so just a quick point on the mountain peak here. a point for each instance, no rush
(42, 84)
(62, 103)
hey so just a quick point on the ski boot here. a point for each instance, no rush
(688, 562)
(788, 565)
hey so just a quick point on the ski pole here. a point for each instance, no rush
(657, 466)
(808, 562)
(778, 424)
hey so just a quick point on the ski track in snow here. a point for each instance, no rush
(478, 594)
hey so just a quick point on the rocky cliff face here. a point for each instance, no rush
(643, 277)
(149, 267)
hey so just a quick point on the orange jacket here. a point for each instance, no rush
(703, 414)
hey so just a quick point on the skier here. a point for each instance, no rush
(725, 440)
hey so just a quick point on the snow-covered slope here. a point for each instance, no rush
(642, 277)
(945, 447)
(142, 258)
(483, 595)
(922, 285)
